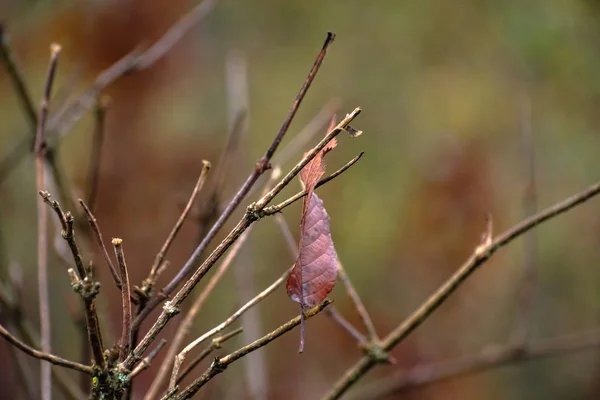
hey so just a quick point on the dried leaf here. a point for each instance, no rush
(315, 271)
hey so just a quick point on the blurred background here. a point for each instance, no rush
(450, 93)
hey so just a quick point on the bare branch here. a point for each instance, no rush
(479, 257)
(214, 345)
(94, 224)
(333, 313)
(163, 251)
(82, 282)
(97, 142)
(527, 290)
(270, 210)
(43, 355)
(220, 364)
(125, 299)
(43, 289)
(146, 361)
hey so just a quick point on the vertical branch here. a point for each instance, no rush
(236, 78)
(125, 298)
(97, 142)
(44, 295)
(529, 281)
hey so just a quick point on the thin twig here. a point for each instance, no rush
(315, 126)
(43, 289)
(215, 344)
(163, 251)
(253, 213)
(220, 364)
(270, 210)
(43, 355)
(125, 299)
(529, 281)
(333, 313)
(95, 158)
(187, 322)
(147, 361)
(83, 282)
(358, 304)
(262, 165)
(488, 358)
(94, 225)
(482, 254)
(219, 328)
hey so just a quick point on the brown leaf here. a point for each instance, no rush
(315, 272)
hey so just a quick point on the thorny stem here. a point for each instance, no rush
(42, 251)
(43, 355)
(253, 213)
(480, 256)
(220, 364)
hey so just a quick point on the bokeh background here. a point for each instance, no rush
(447, 89)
